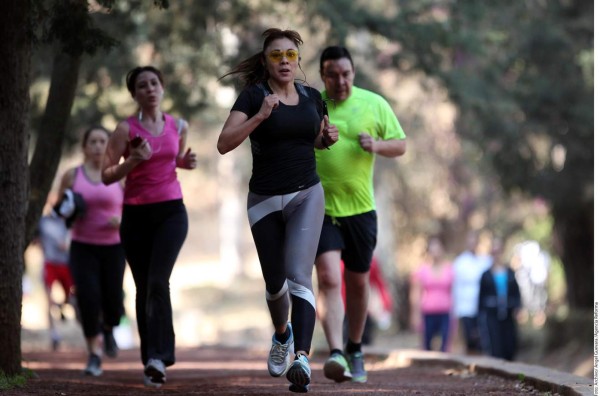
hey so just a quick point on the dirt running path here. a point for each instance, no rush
(242, 371)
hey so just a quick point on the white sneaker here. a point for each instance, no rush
(279, 356)
(156, 371)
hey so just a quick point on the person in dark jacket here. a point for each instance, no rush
(499, 300)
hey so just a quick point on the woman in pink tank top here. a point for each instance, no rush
(96, 257)
(154, 223)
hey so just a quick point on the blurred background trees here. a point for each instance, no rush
(495, 98)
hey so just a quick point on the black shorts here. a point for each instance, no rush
(355, 236)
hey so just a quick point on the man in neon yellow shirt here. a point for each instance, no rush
(367, 126)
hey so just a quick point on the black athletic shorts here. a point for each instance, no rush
(355, 236)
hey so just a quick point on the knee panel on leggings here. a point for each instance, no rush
(276, 296)
(302, 292)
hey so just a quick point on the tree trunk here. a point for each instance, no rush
(48, 148)
(15, 55)
(574, 235)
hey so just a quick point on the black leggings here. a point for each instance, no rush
(97, 272)
(286, 230)
(152, 235)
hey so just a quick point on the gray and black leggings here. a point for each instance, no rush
(286, 230)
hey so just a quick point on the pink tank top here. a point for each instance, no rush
(154, 180)
(436, 288)
(102, 203)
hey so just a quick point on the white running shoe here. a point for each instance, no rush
(279, 356)
(156, 371)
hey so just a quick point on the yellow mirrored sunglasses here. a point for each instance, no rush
(276, 56)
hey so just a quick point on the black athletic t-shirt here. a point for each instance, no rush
(283, 156)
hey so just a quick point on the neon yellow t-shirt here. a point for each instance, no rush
(346, 170)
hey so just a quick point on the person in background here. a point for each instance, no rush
(367, 127)
(284, 121)
(431, 297)
(499, 301)
(96, 258)
(54, 239)
(154, 221)
(468, 267)
(532, 266)
(380, 308)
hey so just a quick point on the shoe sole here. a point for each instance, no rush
(93, 373)
(298, 388)
(336, 372)
(155, 375)
(148, 382)
(298, 377)
(360, 380)
(275, 374)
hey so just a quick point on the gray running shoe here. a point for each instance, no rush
(357, 367)
(55, 343)
(299, 374)
(94, 366)
(110, 344)
(279, 356)
(336, 368)
(156, 371)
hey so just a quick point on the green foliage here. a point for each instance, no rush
(501, 63)
(110, 3)
(524, 115)
(183, 39)
(519, 74)
(17, 381)
(69, 24)
(556, 282)
(537, 227)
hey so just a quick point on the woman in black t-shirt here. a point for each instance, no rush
(285, 123)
